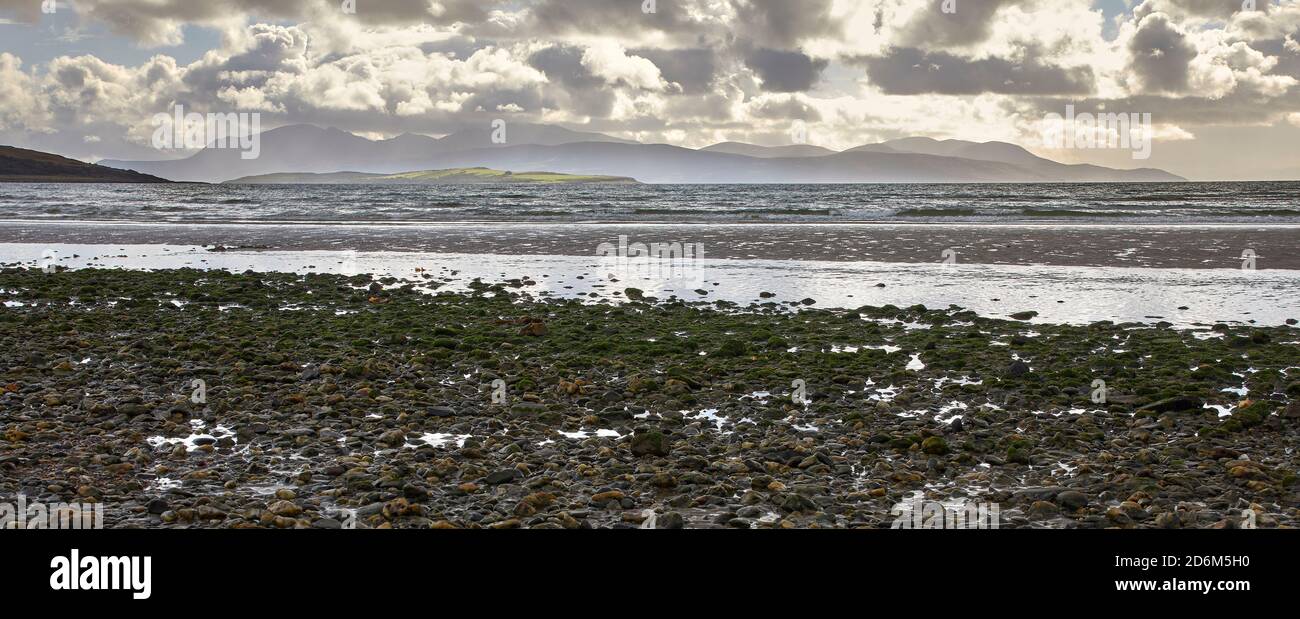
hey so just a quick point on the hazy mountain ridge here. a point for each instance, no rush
(310, 149)
(456, 176)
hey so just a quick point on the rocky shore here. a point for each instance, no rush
(192, 398)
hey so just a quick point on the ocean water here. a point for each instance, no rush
(1167, 203)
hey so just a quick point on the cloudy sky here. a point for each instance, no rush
(1220, 78)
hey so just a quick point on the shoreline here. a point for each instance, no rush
(333, 400)
(1181, 298)
(1191, 246)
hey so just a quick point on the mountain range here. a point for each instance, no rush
(458, 176)
(311, 149)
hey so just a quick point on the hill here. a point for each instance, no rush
(19, 165)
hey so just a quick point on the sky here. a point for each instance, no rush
(1220, 78)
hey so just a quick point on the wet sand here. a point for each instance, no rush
(1100, 245)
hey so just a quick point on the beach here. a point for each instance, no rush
(332, 401)
(334, 370)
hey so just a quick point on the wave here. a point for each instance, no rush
(936, 212)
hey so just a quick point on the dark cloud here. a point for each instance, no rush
(459, 47)
(152, 22)
(1288, 62)
(603, 16)
(970, 22)
(912, 71)
(785, 71)
(562, 64)
(789, 107)
(1200, 8)
(784, 23)
(398, 12)
(572, 87)
(1160, 55)
(271, 47)
(693, 69)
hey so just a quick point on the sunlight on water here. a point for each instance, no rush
(1059, 294)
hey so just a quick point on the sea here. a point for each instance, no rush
(1189, 254)
(1163, 203)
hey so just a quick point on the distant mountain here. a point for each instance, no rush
(1004, 152)
(19, 165)
(309, 149)
(456, 176)
(983, 151)
(660, 163)
(768, 152)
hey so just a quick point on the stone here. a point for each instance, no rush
(935, 445)
(798, 503)
(670, 520)
(500, 477)
(1072, 500)
(1175, 404)
(605, 497)
(284, 508)
(441, 411)
(650, 443)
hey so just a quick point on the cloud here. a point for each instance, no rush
(690, 71)
(782, 71)
(784, 24)
(969, 22)
(1161, 54)
(610, 62)
(913, 71)
(1202, 8)
(693, 70)
(22, 107)
(786, 108)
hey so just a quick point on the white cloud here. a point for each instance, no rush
(610, 62)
